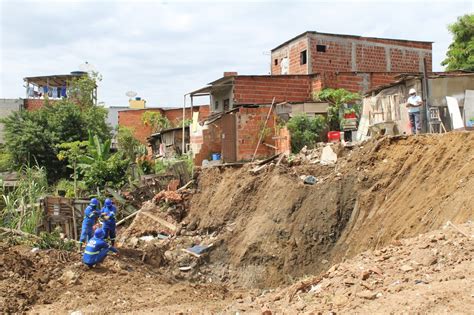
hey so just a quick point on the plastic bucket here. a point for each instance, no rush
(216, 156)
(334, 136)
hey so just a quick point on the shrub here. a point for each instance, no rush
(305, 130)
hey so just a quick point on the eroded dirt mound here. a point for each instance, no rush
(275, 228)
(51, 281)
(27, 278)
(431, 273)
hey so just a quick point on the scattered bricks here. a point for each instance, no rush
(367, 294)
(376, 270)
(406, 268)
(429, 260)
(365, 275)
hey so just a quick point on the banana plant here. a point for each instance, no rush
(96, 152)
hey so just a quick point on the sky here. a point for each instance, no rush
(165, 49)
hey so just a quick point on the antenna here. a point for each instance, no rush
(87, 67)
(131, 94)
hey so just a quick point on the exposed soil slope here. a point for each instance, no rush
(430, 274)
(276, 229)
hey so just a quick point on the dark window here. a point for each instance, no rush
(226, 105)
(216, 107)
(321, 48)
(276, 62)
(303, 57)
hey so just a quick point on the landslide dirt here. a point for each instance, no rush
(275, 229)
(269, 230)
(429, 274)
(52, 281)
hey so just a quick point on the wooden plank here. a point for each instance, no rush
(128, 217)
(269, 159)
(74, 223)
(264, 126)
(160, 221)
(270, 146)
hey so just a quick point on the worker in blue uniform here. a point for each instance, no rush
(90, 217)
(97, 249)
(108, 220)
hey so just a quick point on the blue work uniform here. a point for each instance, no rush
(90, 217)
(96, 251)
(109, 225)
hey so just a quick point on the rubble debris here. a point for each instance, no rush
(162, 222)
(197, 250)
(328, 156)
(310, 180)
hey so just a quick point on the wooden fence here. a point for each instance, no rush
(66, 213)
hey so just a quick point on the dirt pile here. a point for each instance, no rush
(28, 278)
(275, 229)
(160, 215)
(431, 273)
(51, 281)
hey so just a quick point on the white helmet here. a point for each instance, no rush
(412, 91)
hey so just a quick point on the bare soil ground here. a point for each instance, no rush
(344, 244)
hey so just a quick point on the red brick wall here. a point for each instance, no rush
(359, 54)
(132, 119)
(357, 82)
(262, 89)
(35, 103)
(370, 55)
(211, 142)
(283, 143)
(292, 50)
(175, 116)
(250, 122)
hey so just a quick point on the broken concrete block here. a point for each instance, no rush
(328, 156)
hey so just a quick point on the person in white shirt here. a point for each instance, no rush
(413, 104)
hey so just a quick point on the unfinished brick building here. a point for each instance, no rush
(355, 63)
(300, 66)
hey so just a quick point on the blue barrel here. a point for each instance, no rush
(216, 156)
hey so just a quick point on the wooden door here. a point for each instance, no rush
(229, 138)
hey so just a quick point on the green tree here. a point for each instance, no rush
(33, 137)
(305, 130)
(128, 144)
(100, 168)
(72, 151)
(156, 121)
(460, 54)
(336, 98)
(82, 89)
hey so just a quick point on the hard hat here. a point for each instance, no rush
(108, 202)
(99, 233)
(412, 91)
(94, 202)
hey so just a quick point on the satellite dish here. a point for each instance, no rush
(87, 67)
(131, 94)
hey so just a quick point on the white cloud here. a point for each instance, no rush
(164, 49)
